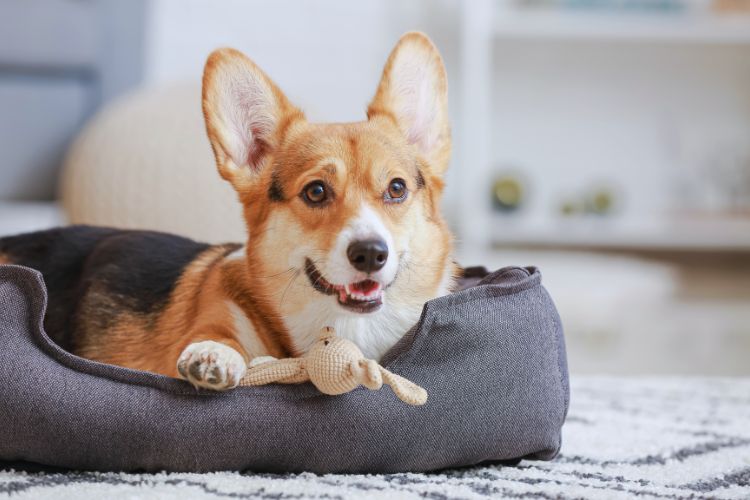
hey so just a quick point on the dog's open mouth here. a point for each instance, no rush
(363, 296)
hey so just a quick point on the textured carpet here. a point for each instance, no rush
(646, 437)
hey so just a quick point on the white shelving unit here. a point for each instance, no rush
(627, 28)
(487, 24)
(594, 233)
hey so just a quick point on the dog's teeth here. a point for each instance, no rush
(352, 292)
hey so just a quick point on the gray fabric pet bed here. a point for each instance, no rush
(491, 356)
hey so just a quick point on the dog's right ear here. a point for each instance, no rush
(246, 115)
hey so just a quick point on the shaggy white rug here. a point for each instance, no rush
(625, 437)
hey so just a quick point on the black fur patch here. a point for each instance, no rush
(275, 192)
(420, 179)
(138, 269)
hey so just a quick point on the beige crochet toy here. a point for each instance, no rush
(335, 366)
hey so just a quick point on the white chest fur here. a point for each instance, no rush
(374, 333)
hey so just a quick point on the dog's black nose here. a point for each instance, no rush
(368, 255)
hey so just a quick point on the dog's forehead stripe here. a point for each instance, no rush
(367, 223)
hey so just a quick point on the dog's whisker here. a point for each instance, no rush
(289, 284)
(291, 269)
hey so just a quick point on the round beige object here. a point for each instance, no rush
(144, 162)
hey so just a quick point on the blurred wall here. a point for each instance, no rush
(326, 55)
(59, 61)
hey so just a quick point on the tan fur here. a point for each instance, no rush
(358, 145)
(195, 312)
(357, 160)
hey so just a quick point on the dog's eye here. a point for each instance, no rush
(396, 191)
(315, 193)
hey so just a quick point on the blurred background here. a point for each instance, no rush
(605, 141)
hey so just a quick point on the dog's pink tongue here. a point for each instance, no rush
(365, 287)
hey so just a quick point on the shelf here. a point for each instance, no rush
(683, 235)
(682, 28)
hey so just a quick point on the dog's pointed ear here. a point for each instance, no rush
(413, 91)
(246, 115)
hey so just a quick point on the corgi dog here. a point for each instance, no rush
(344, 230)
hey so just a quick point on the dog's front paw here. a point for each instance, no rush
(212, 365)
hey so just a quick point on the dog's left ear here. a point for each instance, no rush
(413, 91)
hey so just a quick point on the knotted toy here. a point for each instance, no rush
(335, 366)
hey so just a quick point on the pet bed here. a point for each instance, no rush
(491, 356)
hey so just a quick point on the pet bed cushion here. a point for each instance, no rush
(491, 357)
